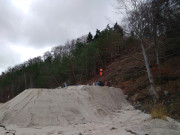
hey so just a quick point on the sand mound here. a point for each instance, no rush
(87, 110)
(70, 105)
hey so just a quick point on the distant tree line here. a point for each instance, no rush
(76, 61)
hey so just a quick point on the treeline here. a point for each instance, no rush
(157, 21)
(76, 61)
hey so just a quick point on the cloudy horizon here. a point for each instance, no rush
(28, 28)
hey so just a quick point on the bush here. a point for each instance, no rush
(158, 111)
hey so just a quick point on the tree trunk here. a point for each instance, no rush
(157, 52)
(157, 57)
(155, 36)
(31, 82)
(12, 90)
(150, 77)
(94, 72)
(156, 49)
(86, 69)
(25, 83)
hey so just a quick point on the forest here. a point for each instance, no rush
(151, 29)
(76, 61)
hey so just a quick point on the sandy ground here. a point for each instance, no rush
(78, 110)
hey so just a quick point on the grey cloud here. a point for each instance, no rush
(10, 20)
(49, 23)
(56, 21)
(52, 21)
(7, 57)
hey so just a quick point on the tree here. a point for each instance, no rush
(137, 24)
(118, 29)
(171, 14)
(97, 34)
(89, 37)
(47, 57)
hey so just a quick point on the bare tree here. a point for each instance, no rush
(156, 21)
(137, 23)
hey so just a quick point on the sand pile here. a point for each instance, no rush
(87, 110)
(70, 105)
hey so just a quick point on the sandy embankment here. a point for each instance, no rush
(1, 104)
(90, 110)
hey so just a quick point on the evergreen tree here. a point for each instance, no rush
(118, 29)
(89, 37)
(97, 34)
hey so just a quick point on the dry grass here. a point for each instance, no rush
(158, 111)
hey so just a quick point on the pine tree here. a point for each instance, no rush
(89, 37)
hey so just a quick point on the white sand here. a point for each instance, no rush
(90, 110)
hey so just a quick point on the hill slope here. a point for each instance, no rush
(128, 73)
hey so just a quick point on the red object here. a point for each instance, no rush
(100, 71)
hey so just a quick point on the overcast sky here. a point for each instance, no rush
(28, 28)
